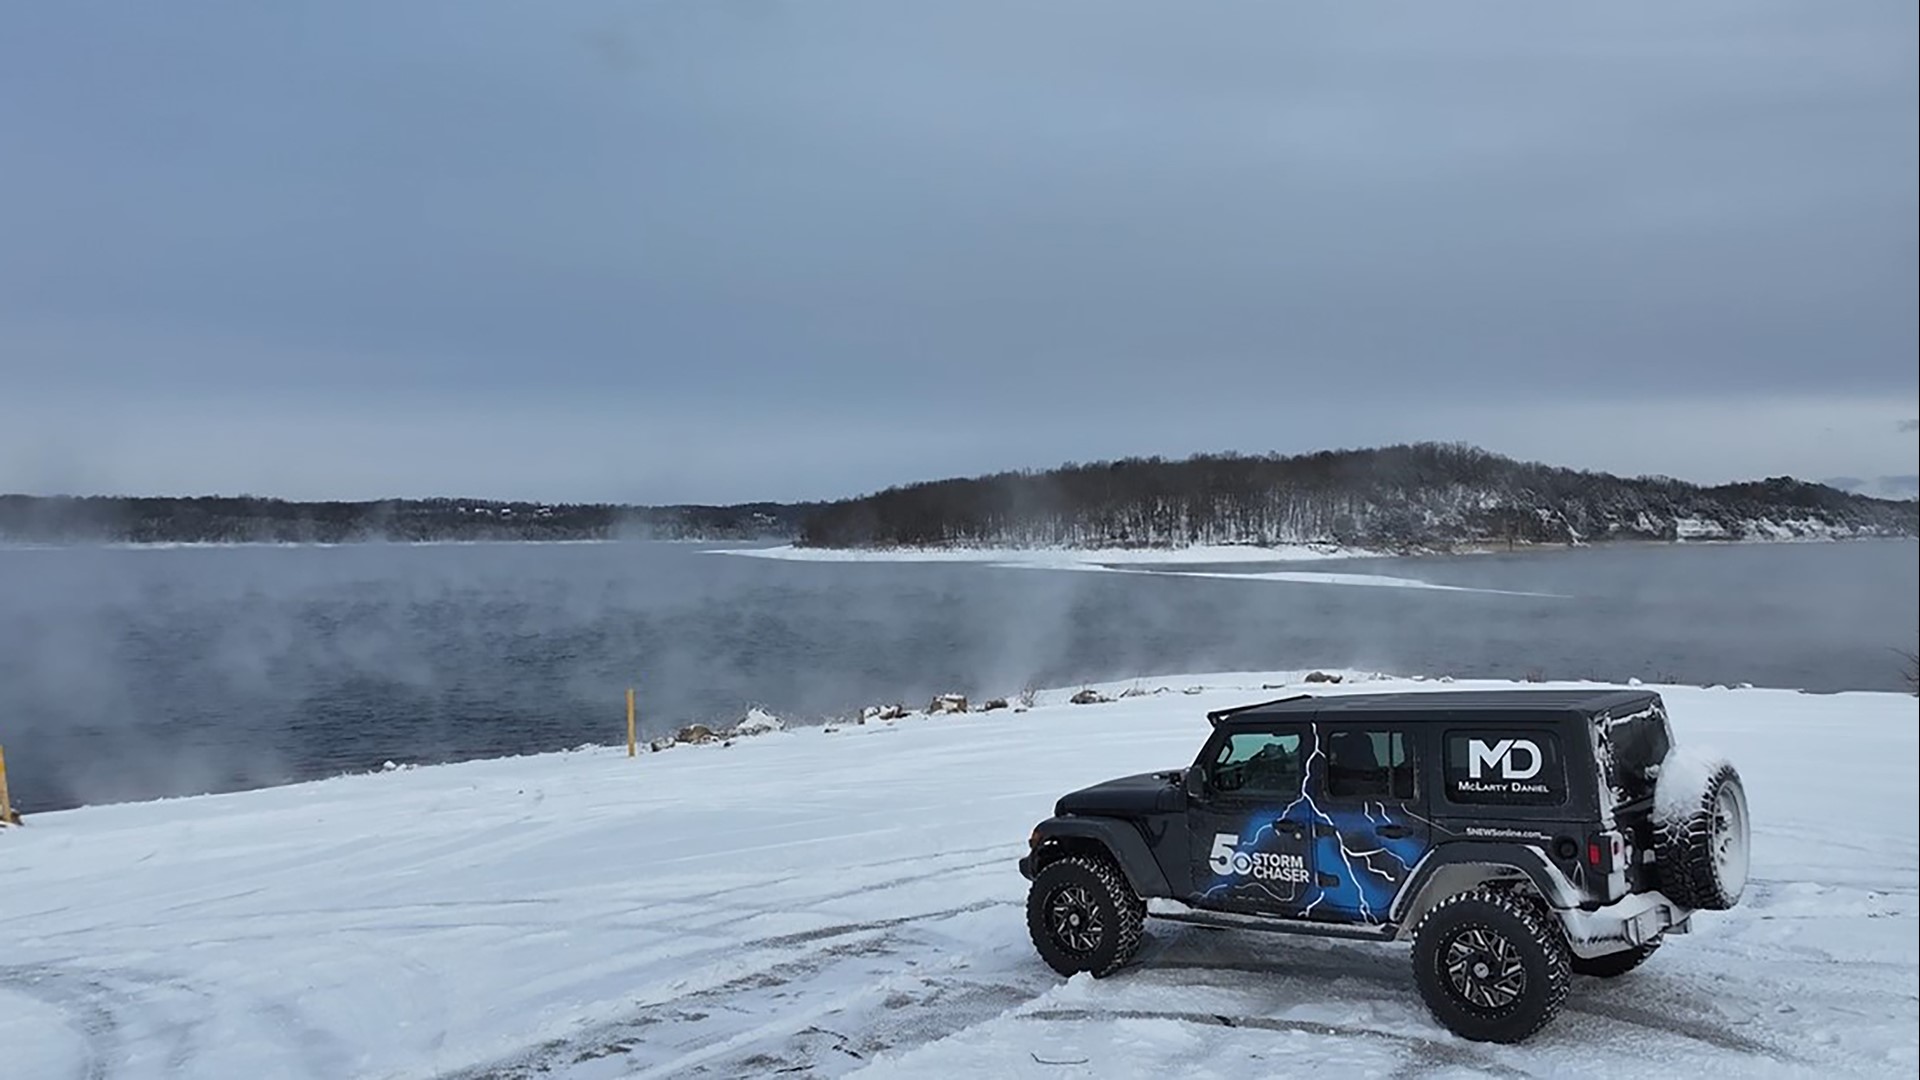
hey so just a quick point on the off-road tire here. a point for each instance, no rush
(1094, 889)
(1527, 940)
(1692, 863)
(1613, 965)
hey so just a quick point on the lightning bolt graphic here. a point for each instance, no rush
(1347, 855)
(1353, 858)
(1369, 867)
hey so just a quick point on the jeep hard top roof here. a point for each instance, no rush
(1445, 705)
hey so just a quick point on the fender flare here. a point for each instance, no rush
(1122, 841)
(1519, 859)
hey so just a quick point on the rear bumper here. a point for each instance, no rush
(1624, 924)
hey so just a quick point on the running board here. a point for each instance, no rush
(1175, 911)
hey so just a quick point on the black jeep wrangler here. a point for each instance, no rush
(1516, 837)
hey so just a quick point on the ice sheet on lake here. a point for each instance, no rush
(1130, 560)
(1190, 556)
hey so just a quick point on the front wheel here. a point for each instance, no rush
(1490, 965)
(1083, 916)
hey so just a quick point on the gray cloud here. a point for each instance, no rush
(762, 249)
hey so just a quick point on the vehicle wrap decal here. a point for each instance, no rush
(1353, 869)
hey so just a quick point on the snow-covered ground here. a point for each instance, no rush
(831, 902)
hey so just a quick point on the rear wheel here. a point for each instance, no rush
(1613, 965)
(1491, 966)
(1083, 916)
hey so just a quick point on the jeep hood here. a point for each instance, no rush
(1126, 797)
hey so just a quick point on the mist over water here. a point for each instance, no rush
(135, 673)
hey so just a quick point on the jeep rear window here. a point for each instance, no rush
(1634, 744)
(1368, 765)
(1505, 768)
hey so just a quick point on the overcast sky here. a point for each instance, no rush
(718, 250)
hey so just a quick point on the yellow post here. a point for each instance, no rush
(631, 748)
(7, 816)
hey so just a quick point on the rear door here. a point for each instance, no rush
(1251, 832)
(1520, 782)
(1372, 827)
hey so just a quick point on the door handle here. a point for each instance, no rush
(1394, 832)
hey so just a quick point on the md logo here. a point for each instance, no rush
(1502, 755)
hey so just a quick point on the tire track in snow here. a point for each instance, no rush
(118, 1011)
(353, 917)
(801, 966)
(90, 997)
(81, 1001)
(762, 884)
(1323, 966)
(663, 897)
(1434, 1053)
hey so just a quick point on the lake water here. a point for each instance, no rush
(134, 673)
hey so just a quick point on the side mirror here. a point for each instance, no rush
(1196, 782)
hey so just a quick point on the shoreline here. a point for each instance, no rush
(1255, 685)
(1215, 554)
(781, 548)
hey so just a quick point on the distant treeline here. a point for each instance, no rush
(93, 519)
(1424, 496)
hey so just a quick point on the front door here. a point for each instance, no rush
(1252, 829)
(1373, 825)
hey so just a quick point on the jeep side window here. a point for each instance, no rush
(1258, 763)
(1368, 765)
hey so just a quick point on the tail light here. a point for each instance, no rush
(1604, 851)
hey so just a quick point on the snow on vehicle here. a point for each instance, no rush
(1515, 837)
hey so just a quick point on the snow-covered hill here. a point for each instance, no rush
(1392, 498)
(840, 901)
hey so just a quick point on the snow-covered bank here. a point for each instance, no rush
(845, 901)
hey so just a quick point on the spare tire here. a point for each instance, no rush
(1703, 842)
